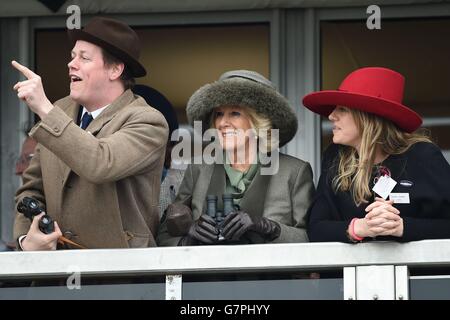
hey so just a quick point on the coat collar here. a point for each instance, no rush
(121, 102)
(217, 185)
(253, 200)
(396, 164)
(97, 124)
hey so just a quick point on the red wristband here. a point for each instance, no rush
(352, 231)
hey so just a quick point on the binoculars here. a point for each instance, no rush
(29, 207)
(219, 216)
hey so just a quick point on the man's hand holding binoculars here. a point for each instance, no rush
(37, 240)
(44, 232)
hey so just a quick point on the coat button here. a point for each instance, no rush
(68, 235)
(56, 129)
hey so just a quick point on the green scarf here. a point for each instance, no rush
(238, 181)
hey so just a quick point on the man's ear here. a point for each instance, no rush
(116, 70)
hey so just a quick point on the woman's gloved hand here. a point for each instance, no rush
(237, 223)
(202, 231)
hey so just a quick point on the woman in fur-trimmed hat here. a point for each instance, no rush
(381, 179)
(270, 199)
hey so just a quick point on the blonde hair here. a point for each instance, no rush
(259, 122)
(355, 168)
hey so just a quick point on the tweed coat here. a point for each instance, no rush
(169, 188)
(101, 185)
(283, 197)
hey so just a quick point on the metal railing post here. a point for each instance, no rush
(174, 287)
(375, 282)
(401, 283)
(350, 283)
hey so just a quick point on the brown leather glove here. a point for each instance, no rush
(202, 231)
(178, 219)
(237, 223)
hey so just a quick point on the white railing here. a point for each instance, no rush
(377, 270)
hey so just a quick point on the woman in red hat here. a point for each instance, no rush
(380, 179)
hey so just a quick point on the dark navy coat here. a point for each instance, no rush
(422, 171)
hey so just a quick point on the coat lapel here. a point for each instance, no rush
(217, 186)
(74, 113)
(99, 122)
(397, 166)
(251, 202)
(254, 197)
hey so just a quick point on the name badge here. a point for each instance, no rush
(384, 186)
(399, 197)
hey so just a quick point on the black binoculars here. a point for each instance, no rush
(219, 216)
(29, 207)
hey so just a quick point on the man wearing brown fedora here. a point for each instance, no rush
(97, 166)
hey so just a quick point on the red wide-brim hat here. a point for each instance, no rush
(375, 90)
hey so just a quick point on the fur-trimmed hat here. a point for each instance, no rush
(245, 89)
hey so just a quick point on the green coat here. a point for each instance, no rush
(283, 197)
(101, 185)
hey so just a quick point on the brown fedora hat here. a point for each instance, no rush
(116, 37)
